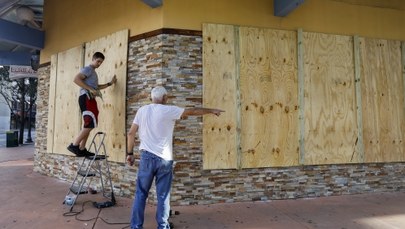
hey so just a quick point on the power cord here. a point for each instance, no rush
(73, 213)
(76, 213)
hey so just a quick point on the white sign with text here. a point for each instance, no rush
(20, 71)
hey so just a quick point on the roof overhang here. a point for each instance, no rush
(21, 35)
(15, 58)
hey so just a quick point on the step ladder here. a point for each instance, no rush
(93, 168)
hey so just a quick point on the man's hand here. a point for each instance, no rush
(200, 111)
(93, 93)
(113, 80)
(217, 112)
(130, 160)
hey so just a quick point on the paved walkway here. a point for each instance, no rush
(32, 200)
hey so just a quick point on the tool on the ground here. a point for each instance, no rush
(93, 167)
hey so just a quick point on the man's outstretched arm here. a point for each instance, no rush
(197, 111)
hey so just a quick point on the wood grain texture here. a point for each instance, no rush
(67, 117)
(269, 87)
(352, 100)
(112, 106)
(330, 102)
(220, 91)
(383, 100)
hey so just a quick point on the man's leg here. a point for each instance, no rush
(143, 184)
(89, 111)
(81, 139)
(78, 146)
(164, 179)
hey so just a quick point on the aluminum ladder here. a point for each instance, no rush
(93, 168)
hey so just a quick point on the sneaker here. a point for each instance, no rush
(75, 150)
(86, 153)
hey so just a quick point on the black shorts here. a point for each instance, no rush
(89, 111)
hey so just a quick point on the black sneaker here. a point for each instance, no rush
(86, 153)
(75, 150)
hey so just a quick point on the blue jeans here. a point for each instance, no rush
(152, 167)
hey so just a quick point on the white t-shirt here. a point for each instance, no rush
(156, 124)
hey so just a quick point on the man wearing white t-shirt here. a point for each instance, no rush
(155, 124)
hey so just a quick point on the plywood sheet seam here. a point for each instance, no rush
(301, 91)
(357, 72)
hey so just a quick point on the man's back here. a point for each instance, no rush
(156, 124)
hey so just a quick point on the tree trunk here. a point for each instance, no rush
(22, 116)
(21, 137)
(29, 139)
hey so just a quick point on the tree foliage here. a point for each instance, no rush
(19, 91)
(8, 88)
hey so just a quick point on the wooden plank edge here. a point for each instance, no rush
(357, 81)
(165, 31)
(301, 100)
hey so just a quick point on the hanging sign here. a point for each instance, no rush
(21, 71)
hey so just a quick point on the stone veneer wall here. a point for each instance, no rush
(175, 61)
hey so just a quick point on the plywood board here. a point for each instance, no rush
(359, 107)
(301, 101)
(382, 100)
(330, 101)
(220, 77)
(112, 107)
(51, 104)
(269, 87)
(67, 112)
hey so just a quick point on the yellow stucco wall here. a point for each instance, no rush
(73, 22)
(346, 17)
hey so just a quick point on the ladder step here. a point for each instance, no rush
(97, 157)
(75, 190)
(83, 173)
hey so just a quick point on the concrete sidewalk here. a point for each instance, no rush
(31, 200)
(3, 136)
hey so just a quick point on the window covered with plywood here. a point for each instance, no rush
(64, 118)
(300, 98)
